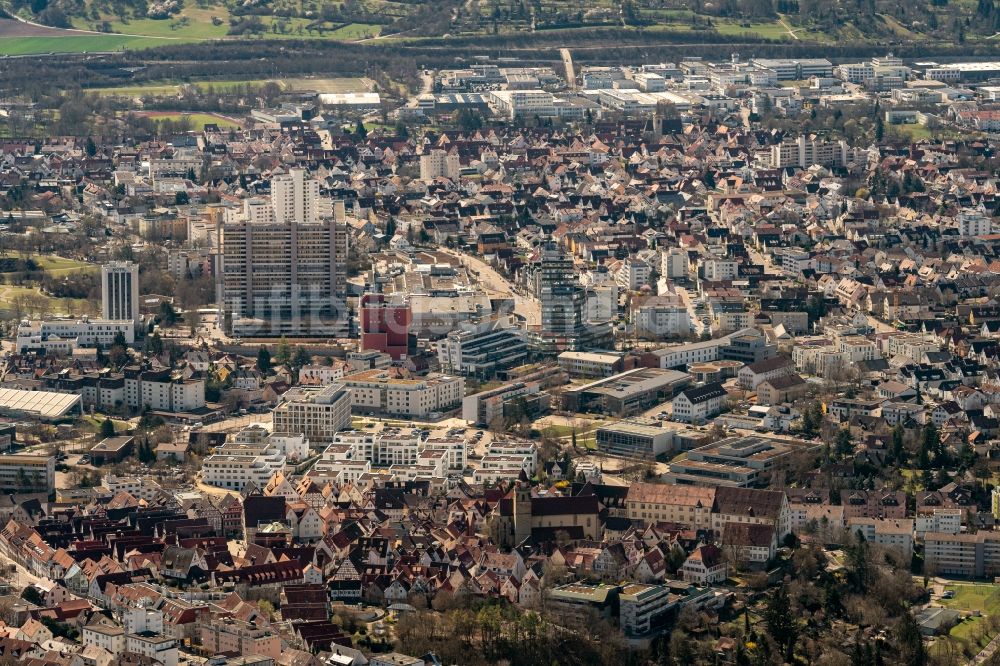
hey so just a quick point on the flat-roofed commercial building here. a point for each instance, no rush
(62, 336)
(44, 405)
(591, 364)
(643, 608)
(628, 392)
(26, 473)
(316, 413)
(486, 406)
(634, 439)
(489, 347)
(112, 450)
(788, 69)
(734, 461)
(579, 605)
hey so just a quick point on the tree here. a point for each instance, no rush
(168, 315)
(910, 642)
(107, 428)
(780, 621)
(842, 442)
(91, 147)
(930, 445)
(192, 319)
(263, 360)
(155, 344)
(361, 130)
(283, 354)
(32, 595)
(897, 452)
(301, 357)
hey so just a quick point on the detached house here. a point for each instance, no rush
(696, 405)
(705, 565)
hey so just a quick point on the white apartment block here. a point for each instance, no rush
(894, 534)
(794, 261)
(320, 375)
(295, 198)
(111, 639)
(378, 391)
(62, 336)
(675, 264)
(505, 460)
(974, 223)
(818, 358)
(159, 390)
(857, 348)
(238, 463)
(439, 164)
(405, 451)
(318, 414)
(157, 647)
(120, 291)
(662, 320)
(945, 521)
(968, 555)
(633, 274)
(602, 302)
(140, 487)
(805, 152)
(716, 270)
(911, 346)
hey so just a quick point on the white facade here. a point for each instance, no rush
(317, 414)
(376, 390)
(662, 320)
(120, 291)
(716, 270)
(157, 647)
(675, 264)
(295, 198)
(974, 223)
(64, 335)
(633, 274)
(522, 103)
(237, 463)
(439, 163)
(945, 521)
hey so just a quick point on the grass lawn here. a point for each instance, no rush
(329, 85)
(36, 303)
(198, 120)
(898, 28)
(969, 597)
(52, 263)
(586, 434)
(915, 130)
(73, 43)
(96, 421)
(198, 26)
(165, 89)
(356, 31)
(772, 30)
(966, 629)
